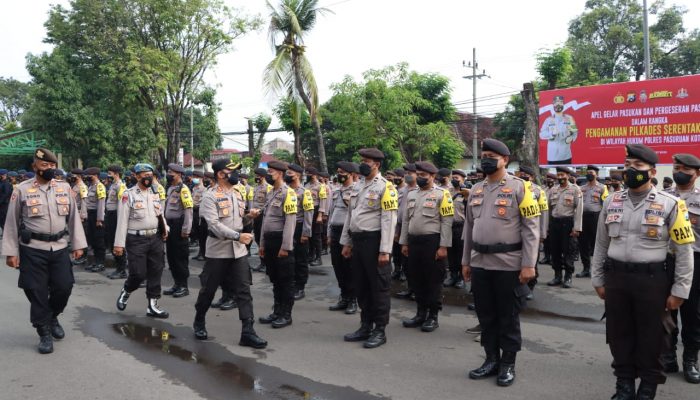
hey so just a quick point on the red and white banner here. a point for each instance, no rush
(592, 124)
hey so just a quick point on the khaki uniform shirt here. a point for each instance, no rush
(280, 215)
(305, 210)
(260, 193)
(95, 200)
(566, 202)
(504, 212)
(178, 203)
(692, 200)
(315, 188)
(223, 210)
(197, 194)
(593, 197)
(81, 190)
(137, 210)
(460, 205)
(541, 197)
(47, 209)
(643, 234)
(114, 195)
(428, 212)
(338, 212)
(373, 207)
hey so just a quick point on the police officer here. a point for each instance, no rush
(667, 184)
(501, 239)
(261, 191)
(114, 195)
(367, 237)
(594, 193)
(224, 210)
(302, 232)
(178, 214)
(141, 230)
(454, 253)
(319, 194)
(629, 271)
(95, 206)
(337, 215)
(426, 233)
(528, 174)
(5, 194)
(324, 207)
(40, 215)
(442, 180)
(198, 191)
(277, 244)
(686, 168)
(566, 220)
(400, 261)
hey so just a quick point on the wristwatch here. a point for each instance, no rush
(236, 236)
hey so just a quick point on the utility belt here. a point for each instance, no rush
(644, 268)
(142, 232)
(26, 236)
(412, 239)
(563, 220)
(497, 248)
(365, 235)
(273, 235)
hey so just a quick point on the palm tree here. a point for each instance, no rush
(289, 73)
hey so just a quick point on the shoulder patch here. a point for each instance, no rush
(186, 197)
(101, 192)
(290, 203)
(446, 206)
(390, 198)
(307, 201)
(529, 208)
(681, 231)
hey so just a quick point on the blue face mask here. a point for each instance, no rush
(195, 181)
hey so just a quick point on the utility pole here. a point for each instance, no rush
(647, 56)
(192, 137)
(474, 76)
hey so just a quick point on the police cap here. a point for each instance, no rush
(143, 167)
(115, 168)
(642, 152)
(411, 167)
(400, 172)
(445, 172)
(426, 166)
(347, 166)
(277, 165)
(311, 171)
(592, 168)
(565, 170)
(218, 165)
(45, 155)
(668, 179)
(688, 160)
(296, 168)
(92, 171)
(260, 171)
(495, 146)
(373, 153)
(527, 170)
(459, 172)
(176, 168)
(3, 171)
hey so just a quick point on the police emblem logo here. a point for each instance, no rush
(502, 202)
(39, 154)
(694, 220)
(35, 210)
(501, 211)
(225, 211)
(652, 232)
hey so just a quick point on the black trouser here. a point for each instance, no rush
(194, 232)
(426, 271)
(96, 237)
(316, 237)
(547, 245)
(47, 279)
(396, 255)
(690, 315)
(225, 272)
(372, 282)
(324, 233)
(301, 259)
(586, 241)
(110, 229)
(3, 214)
(280, 270)
(202, 236)
(635, 304)
(563, 245)
(454, 253)
(257, 229)
(145, 256)
(499, 297)
(341, 265)
(178, 252)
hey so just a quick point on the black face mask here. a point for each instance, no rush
(397, 181)
(550, 183)
(422, 182)
(288, 179)
(269, 179)
(169, 179)
(207, 183)
(562, 181)
(634, 178)
(489, 165)
(365, 169)
(525, 178)
(590, 177)
(681, 178)
(455, 183)
(409, 179)
(233, 178)
(342, 178)
(258, 180)
(615, 186)
(147, 182)
(47, 174)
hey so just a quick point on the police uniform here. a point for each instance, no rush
(593, 197)
(337, 214)
(5, 194)
(540, 195)
(635, 231)
(369, 229)
(261, 192)
(396, 256)
(140, 231)
(318, 192)
(501, 237)
(566, 210)
(224, 211)
(427, 227)
(400, 259)
(94, 203)
(278, 234)
(200, 237)
(41, 217)
(325, 207)
(114, 195)
(304, 216)
(454, 253)
(178, 214)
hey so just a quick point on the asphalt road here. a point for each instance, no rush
(109, 354)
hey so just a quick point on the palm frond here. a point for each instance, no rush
(276, 78)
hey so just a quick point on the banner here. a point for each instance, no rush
(592, 124)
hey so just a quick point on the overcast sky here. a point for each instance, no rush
(431, 35)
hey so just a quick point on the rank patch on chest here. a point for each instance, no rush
(656, 206)
(502, 202)
(501, 211)
(507, 190)
(652, 232)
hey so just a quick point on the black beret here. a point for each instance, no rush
(372, 153)
(551, 176)
(617, 175)
(115, 168)
(260, 171)
(445, 172)
(198, 173)
(45, 155)
(688, 160)
(296, 168)
(479, 170)
(347, 166)
(565, 170)
(324, 174)
(527, 170)
(390, 172)
(400, 172)
(76, 171)
(218, 165)
(459, 172)
(311, 171)
(176, 168)
(410, 167)
(642, 152)
(668, 179)
(92, 171)
(654, 181)
(209, 175)
(60, 172)
(357, 167)
(243, 175)
(426, 166)
(593, 167)
(607, 178)
(188, 172)
(277, 165)
(496, 146)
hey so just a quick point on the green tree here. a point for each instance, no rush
(283, 155)
(14, 100)
(510, 123)
(554, 66)
(256, 138)
(207, 135)
(294, 118)
(289, 73)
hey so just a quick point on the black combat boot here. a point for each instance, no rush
(568, 283)
(118, 273)
(376, 338)
(405, 294)
(45, 339)
(154, 311)
(361, 334)
(669, 360)
(450, 280)
(417, 320)
(275, 312)
(228, 304)
(284, 318)
(342, 304)
(170, 291)
(488, 368)
(646, 391)
(352, 307)
(299, 294)
(506, 371)
(200, 328)
(690, 366)
(431, 323)
(557, 279)
(586, 273)
(122, 299)
(624, 389)
(181, 291)
(57, 331)
(248, 336)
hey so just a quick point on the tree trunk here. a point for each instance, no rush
(298, 157)
(251, 143)
(528, 152)
(314, 117)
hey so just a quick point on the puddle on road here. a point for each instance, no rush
(206, 367)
